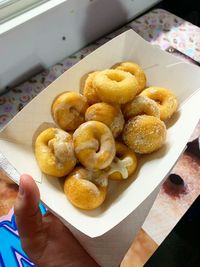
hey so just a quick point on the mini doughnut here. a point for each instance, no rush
(144, 134)
(89, 91)
(165, 99)
(94, 145)
(86, 189)
(140, 105)
(68, 110)
(115, 86)
(54, 152)
(108, 114)
(124, 163)
(135, 70)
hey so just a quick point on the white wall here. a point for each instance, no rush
(38, 43)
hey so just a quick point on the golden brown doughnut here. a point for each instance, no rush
(86, 189)
(124, 163)
(68, 110)
(108, 114)
(140, 105)
(165, 99)
(135, 70)
(94, 145)
(115, 86)
(89, 91)
(54, 152)
(144, 134)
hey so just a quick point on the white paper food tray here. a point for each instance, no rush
(127, 198)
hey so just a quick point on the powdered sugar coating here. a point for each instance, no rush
(141, 105)
(144, 134)
(165, 100)
(117, 124)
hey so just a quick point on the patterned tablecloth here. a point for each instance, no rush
(158, 27)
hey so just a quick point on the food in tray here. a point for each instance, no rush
(144, 134)
(86, 189)
(135, 70)
(124, 164)
(94, 145)
(164, 98)
(115, 86)
(68, 110)
(113, 120)
(54, 152)
(140, 105)
(89, 91)
(110, 115)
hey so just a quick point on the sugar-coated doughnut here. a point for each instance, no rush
(140, 105)
(86, 189)
(136, 70)
(124, 163)
(144, 134)
(89, 91)
(108, 114)
(68, 110)
(115, 86)
(54, 152)
(165, 99)
(94, 145)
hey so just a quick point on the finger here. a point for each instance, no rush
(27, 212)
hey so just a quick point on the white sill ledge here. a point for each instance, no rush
(29, 14)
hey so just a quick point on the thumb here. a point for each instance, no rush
(27, 212)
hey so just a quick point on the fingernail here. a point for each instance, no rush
(21, 189)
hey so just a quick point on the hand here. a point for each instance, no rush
(46, 241)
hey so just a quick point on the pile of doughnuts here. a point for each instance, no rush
(100, 131)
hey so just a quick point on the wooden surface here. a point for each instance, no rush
(8, 193)
(140, 251)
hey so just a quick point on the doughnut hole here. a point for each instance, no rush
(144, 134)
(118, 77)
